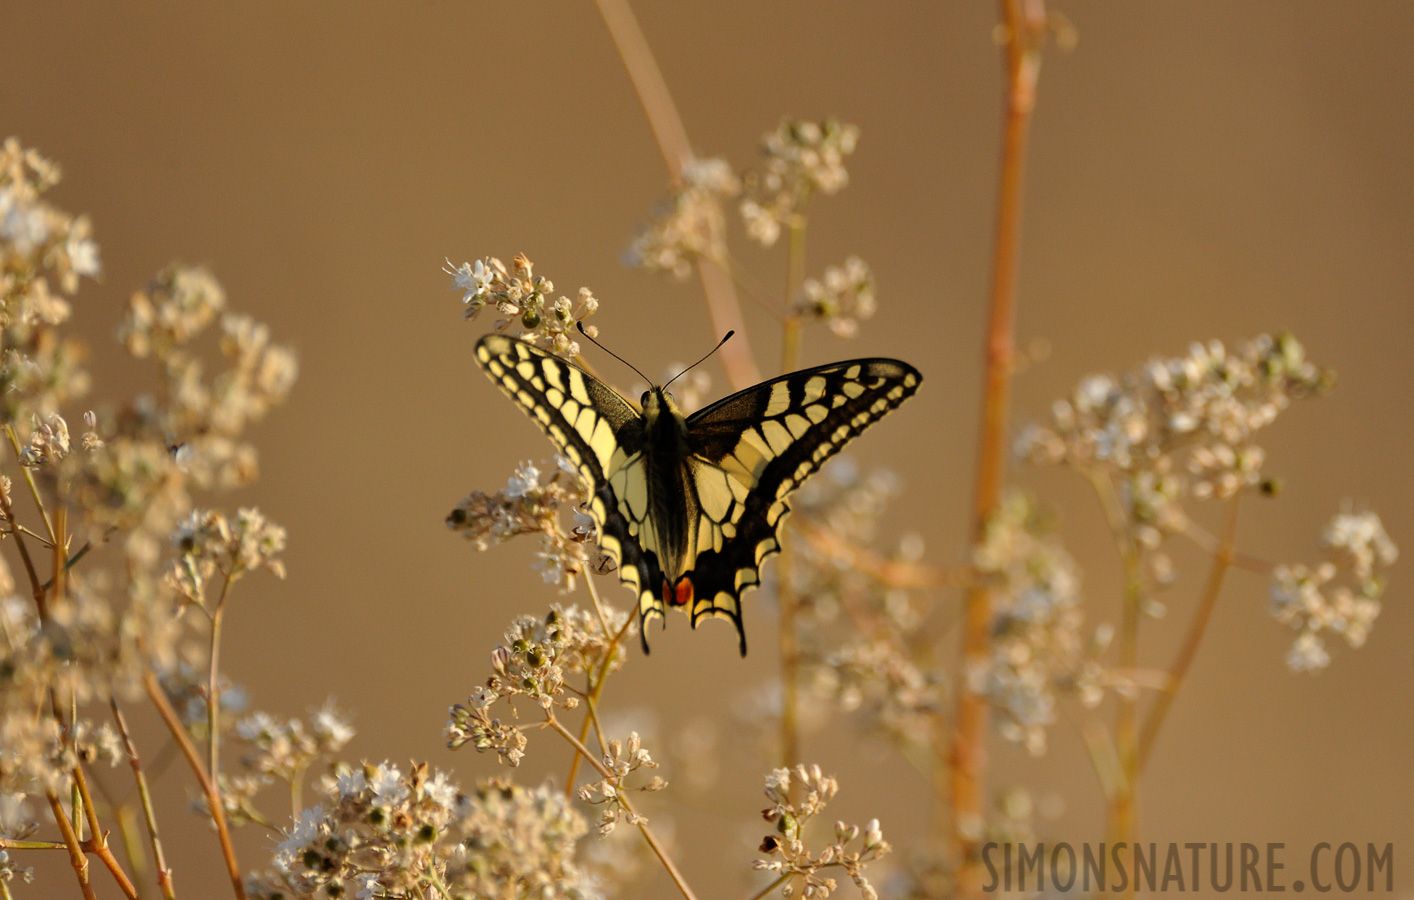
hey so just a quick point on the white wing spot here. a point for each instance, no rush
(797, 424)
(817, 412)
(852, 372)
(852, 389)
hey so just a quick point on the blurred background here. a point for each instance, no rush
(1198, 170)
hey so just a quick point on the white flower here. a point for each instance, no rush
(83, 257)
(388, 785)
(350, 782)
(1308, 654)
(305, 830)
(525, 480)
(442, 791)
(331, 727)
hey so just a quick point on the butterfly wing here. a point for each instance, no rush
(752, 449)
(602, 435)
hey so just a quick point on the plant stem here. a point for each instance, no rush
(647, 832)
(71, 841)
(761, 894)
(596, 686)
(164, 874)
(785, 566)
(1223, 558)
(208, 787)
(722, 304)
(213, 695)
(1025, 23)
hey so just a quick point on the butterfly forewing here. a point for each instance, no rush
(601, 434)
(754, 448)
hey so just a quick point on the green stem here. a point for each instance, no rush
(164, 874)
(1224, 556)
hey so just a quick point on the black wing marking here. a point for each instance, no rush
(602, 435)
(760, 444)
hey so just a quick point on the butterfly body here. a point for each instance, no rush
(690, 506)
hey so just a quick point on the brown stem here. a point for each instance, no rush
(75, 847)
(7, 509)
(208, 787)
(164, 874)
(1223, 558)
(722, 304)
(1024, 22)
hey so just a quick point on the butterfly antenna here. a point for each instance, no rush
(725, 338)
(580, 325)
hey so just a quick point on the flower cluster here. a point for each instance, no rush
(524, 299)
(787, 854)
(385, 833)
(530, 503)
(691, 224)
(1177, 428)
(532, 663)
(620, 760)
(1037, 644)
(881, 678)
(208, 543)
(802, 158)
(1340, 596)
(843, 298)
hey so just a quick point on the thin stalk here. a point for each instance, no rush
(437, 883)
(164, 874)
(785, 566)
(1122, 809)
(596, 685)
(41, 602)
(208, 787)
(761, 894)
(127, 823)
(1024, 22)
(33, 485)
(213, 696)
(71, 842)
(1223, 559)
(643, 71)
(647, 832)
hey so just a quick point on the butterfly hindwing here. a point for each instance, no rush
(759, 445)
(602, 435)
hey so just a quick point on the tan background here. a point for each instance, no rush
(1200, 170)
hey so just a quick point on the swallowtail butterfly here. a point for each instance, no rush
(690, 506)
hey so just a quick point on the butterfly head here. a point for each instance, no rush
(656, 402)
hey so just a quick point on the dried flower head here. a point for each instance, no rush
(802, 158)
(843, 298)
(691, 224)
(1177, 428)
(531, 503)
(786, 849)
(525, 300)
(1339, 596)
(621, 759)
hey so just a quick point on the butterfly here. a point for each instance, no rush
(690, 506)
